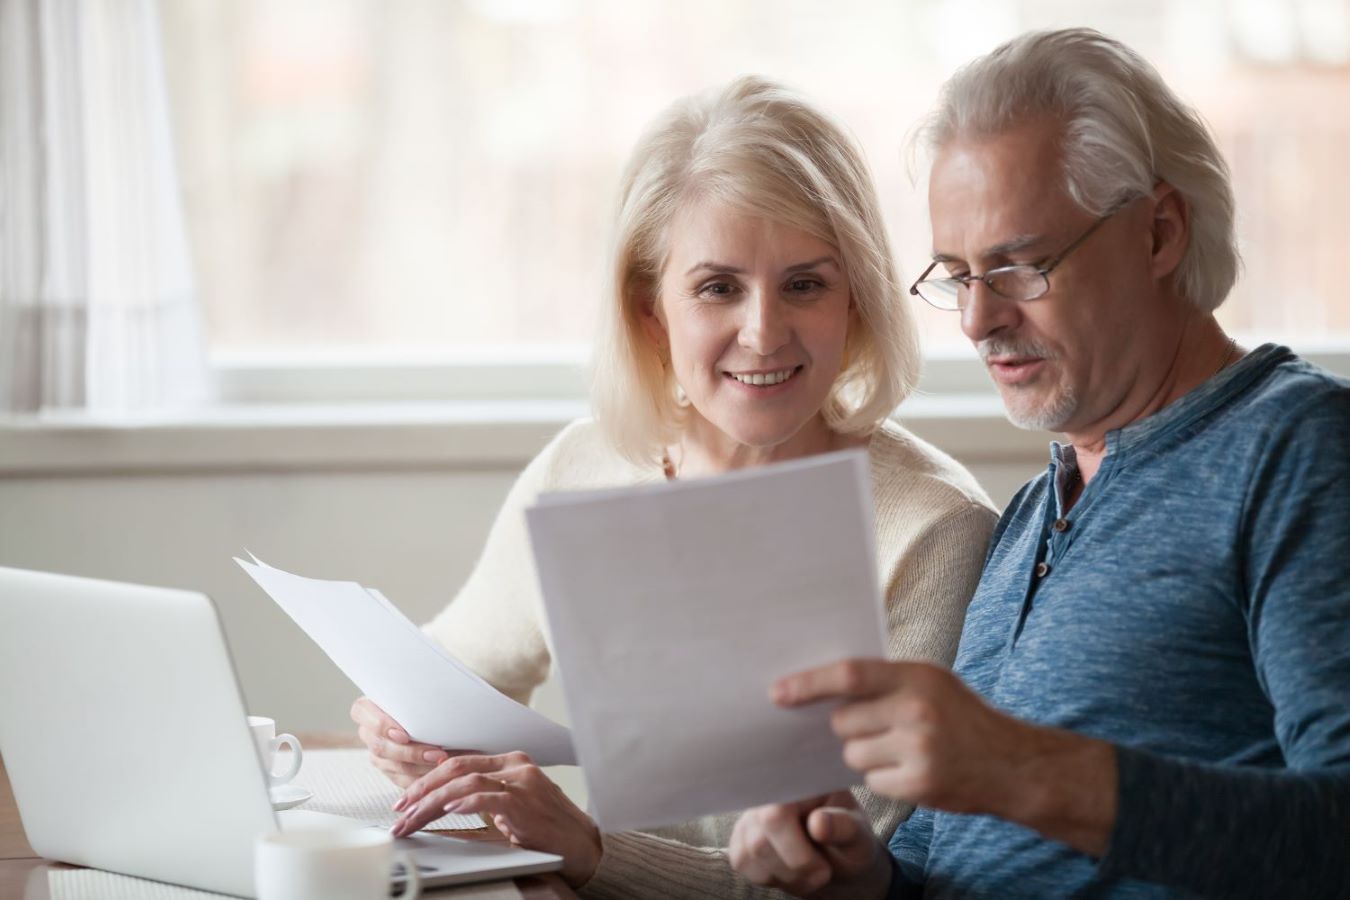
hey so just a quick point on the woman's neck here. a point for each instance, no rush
(704, 450)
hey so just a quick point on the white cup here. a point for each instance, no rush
(330, 864)
(268, 742)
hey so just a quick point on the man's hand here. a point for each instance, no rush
(920, 735)
(821, 847)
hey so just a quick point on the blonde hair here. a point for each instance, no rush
(1124, 130)
(767, 152)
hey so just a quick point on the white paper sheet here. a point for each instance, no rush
(344, 783)
(674, 607)
(437, 699)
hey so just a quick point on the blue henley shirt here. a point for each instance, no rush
(1193, 608)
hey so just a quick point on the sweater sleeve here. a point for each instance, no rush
(926, 598)
(493, 625)
(1233, 830)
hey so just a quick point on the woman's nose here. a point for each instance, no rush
(764, 328)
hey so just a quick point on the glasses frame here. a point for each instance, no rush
(1043, 270)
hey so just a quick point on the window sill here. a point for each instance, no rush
(398, 436)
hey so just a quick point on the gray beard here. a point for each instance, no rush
(1049, 416)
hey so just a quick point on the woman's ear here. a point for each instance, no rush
(652, 323)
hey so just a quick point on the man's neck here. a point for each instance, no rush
(1201, 352)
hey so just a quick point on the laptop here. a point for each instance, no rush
(123, 731)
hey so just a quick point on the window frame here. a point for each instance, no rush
(537, 374)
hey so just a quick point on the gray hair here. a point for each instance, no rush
(1124, 131)
(766, 151)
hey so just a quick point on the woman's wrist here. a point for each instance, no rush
(592, 850)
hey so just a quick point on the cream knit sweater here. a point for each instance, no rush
(933, 524)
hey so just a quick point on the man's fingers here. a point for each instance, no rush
(845, 836)
(841, 800)
(865, 754)
(864, 718)
(849, 679)
(799, 862)
(836, 829)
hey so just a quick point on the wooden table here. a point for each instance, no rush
(23, 874)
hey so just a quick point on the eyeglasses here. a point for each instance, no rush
(1024, 282)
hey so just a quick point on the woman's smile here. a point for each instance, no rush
(765, 383)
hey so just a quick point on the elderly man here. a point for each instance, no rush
(1152, 691)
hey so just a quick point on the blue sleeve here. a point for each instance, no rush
(1245, 831)
(909, 849)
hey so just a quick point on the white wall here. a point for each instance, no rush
(401, 506)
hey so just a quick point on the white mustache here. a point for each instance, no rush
(1013, 347)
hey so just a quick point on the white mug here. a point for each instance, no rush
(330, 864)
(269, 742)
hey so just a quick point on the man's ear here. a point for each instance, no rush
(1171, 229)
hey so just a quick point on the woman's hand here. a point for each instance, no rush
(524, 804)
(392, 751)
(822, 847)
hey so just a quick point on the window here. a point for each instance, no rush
(373, 177)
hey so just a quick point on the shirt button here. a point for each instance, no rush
(1042, 569)
(1061, 525)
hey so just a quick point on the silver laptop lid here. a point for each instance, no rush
(123, 731)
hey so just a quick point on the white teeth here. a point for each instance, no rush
(771, 378)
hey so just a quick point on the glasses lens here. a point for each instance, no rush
(944, 293)
(1018, 282)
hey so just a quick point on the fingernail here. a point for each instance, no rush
(452, 806)
(434, 756)
(398, 804)
(399, 735)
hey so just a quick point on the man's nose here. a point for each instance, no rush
(984, 313)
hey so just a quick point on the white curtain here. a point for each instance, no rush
(97, 307)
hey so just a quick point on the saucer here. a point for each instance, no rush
(286, 796)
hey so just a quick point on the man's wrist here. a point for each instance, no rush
(873, 883)
(1063, 785)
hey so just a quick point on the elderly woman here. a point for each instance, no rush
(756, 316)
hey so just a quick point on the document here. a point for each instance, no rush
(434, 696)
(674, 607)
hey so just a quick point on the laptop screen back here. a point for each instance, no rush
(123, 731)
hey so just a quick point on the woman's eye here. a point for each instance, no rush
(805, 285)
(718, 288)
